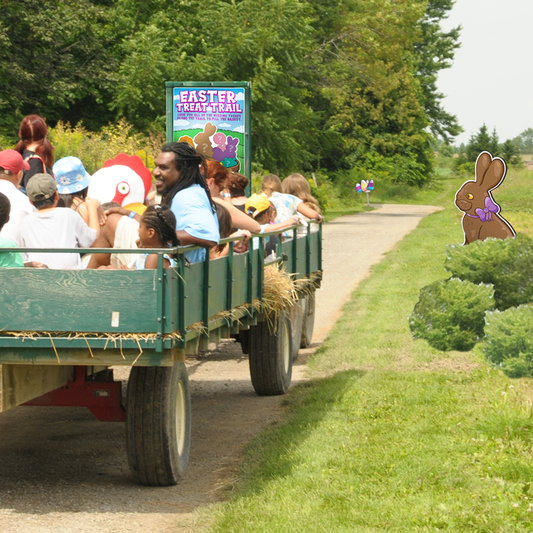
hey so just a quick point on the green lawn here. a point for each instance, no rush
(390, 434)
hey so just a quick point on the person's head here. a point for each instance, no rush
(177, 167)
(224, 221)
(271, 183)
(5, 208)
(237, 184)
(224, 225)
(12, 165)
(259, 208)
(158, 227)
(42, 191)
(33, 131)
(298, 186)
(109, 205)
(217, 177)
(72, 180)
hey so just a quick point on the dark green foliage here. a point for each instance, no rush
(336, 84)
(55, 60)
(509, 152)
(506, 264)
(450, 314)
(509, 344)
(483, 141)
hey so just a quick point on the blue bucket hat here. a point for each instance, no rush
(70, 175)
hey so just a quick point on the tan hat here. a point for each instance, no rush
(256, 204)
(41, 187)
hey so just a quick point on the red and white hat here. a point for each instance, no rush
(12, 161)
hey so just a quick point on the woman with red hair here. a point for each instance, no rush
(217, 179)
(34, 147)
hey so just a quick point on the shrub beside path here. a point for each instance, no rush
(63, 471)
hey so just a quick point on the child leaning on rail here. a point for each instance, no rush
(225, 226)
(261, 209)
(54, 227)
(287, 205)
(296, 185)
(157, 229)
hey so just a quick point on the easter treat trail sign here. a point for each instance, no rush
(214, 118)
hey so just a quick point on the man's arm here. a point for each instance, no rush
(186, 239)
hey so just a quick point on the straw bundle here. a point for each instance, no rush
(279, 293)
(109, 337)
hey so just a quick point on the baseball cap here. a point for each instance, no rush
(70, 175)
(256, 204)
(12, 161)
(41, 187)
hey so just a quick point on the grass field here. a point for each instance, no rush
(390, 434)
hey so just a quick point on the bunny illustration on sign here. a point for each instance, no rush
(203, 143)
(228, 151)
(186, 139)
(481, 218)
(220, 140)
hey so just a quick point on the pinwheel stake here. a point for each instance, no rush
(366, 187)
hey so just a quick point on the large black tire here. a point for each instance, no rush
(296, 318)
(270, 357)
(158, 424)
(308, 320)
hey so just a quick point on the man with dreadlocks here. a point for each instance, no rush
(180, 180)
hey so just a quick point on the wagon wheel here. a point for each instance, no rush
(296, 315)
(270, 356)
(308, 319)
(158, 424)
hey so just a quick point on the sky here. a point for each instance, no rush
(491, 79)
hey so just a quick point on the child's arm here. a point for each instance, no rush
(239, 219)
(151, 262)
(93, 221)
(282, 225)
(308, 211)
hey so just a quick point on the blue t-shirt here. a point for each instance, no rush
(194, 215)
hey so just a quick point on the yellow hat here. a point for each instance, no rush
(256, 204)
(137, 207)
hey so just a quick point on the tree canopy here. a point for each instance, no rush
(335, 83)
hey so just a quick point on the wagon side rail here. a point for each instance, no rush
(149, 317)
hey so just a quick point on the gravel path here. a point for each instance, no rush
(62, 471)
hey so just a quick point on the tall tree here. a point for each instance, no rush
(435, 51)
(524, 141)
(55, 60)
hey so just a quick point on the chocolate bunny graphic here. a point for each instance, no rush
(481, 219)
(203, 144)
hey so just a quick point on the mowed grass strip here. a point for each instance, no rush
(390, 434)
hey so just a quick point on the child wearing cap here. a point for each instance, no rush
(259, 207)
(54, 227)
(7, 259)
(12, 167)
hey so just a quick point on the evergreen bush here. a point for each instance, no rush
(506, 264)
(509, 344)
(450, 314)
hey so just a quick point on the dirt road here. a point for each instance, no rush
(61, 471)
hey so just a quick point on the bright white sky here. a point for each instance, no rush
(491, 78)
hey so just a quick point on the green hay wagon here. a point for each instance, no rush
(62, 330)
